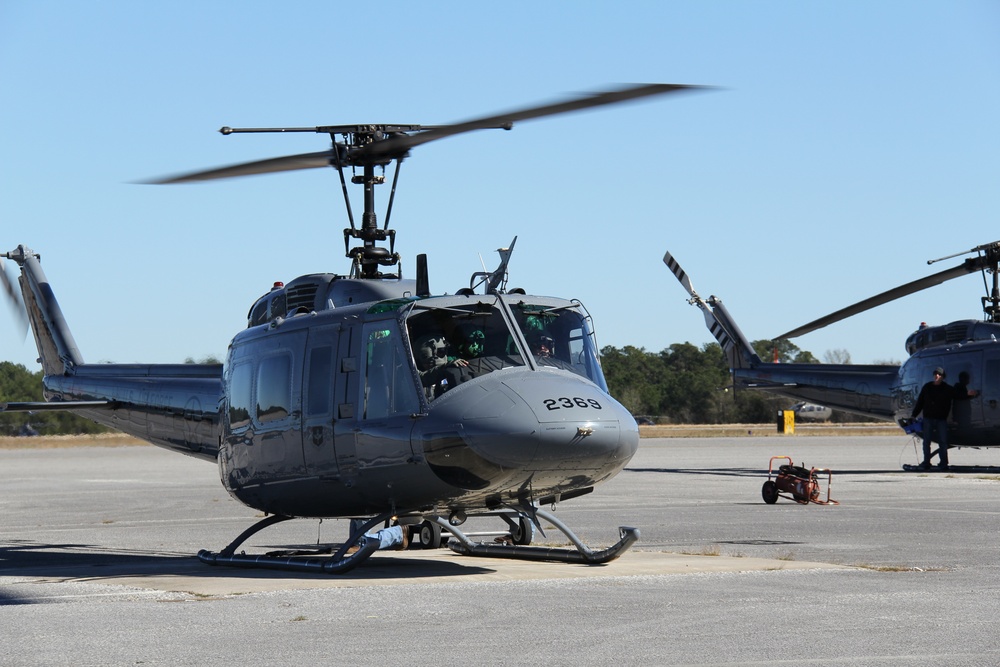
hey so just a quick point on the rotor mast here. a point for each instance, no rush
(369, 256)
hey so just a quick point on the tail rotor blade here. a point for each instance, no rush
(720, 323)
(14, 298)
(679, 273)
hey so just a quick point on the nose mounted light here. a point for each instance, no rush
(583, 431)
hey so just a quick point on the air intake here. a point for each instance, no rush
(301, 297)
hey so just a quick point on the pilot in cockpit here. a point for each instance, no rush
(542, 346)
(431, 355)
(473, 344)
(537, 335)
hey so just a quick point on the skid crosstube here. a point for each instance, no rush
(332, 565)
(583, 555)
(338, 563)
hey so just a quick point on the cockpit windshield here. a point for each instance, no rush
(455, 344)
(559, 336)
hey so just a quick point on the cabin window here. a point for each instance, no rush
(389, 388)
(319, 398)
(240, 386)
(274, 388)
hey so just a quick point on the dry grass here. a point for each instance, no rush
(62, 441)
(764, 430)
(711, 550)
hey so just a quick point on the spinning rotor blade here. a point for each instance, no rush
(397, 143)
(287, 163)
(968, 266)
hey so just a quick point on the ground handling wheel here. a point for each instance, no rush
(524, 533)
(769, 492)
(430, 535)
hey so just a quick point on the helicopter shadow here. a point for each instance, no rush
(23, 559)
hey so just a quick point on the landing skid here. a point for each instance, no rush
(339, 561)
(916, 467)
(582, 555)
(346, 558)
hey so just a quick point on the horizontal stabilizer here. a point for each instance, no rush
(42, 406)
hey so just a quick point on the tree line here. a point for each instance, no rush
(18, 384)
(681, 384)
(685, 384)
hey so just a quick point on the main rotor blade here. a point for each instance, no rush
(398, 145)
(966, 267)
(286, 163)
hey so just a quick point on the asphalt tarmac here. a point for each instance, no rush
(97, 567)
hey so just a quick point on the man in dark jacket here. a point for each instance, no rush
(935, 402)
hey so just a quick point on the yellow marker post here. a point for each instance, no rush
(786, 422)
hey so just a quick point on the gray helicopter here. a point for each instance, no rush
(966, 348)
(364, 396)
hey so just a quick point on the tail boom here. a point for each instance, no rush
(864, 390)
(858, 389)
(176, 406)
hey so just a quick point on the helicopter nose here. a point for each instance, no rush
(554, 431)
(578, 424)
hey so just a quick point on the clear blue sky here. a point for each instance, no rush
(848, 143)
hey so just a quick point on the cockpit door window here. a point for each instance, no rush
(389, 388)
